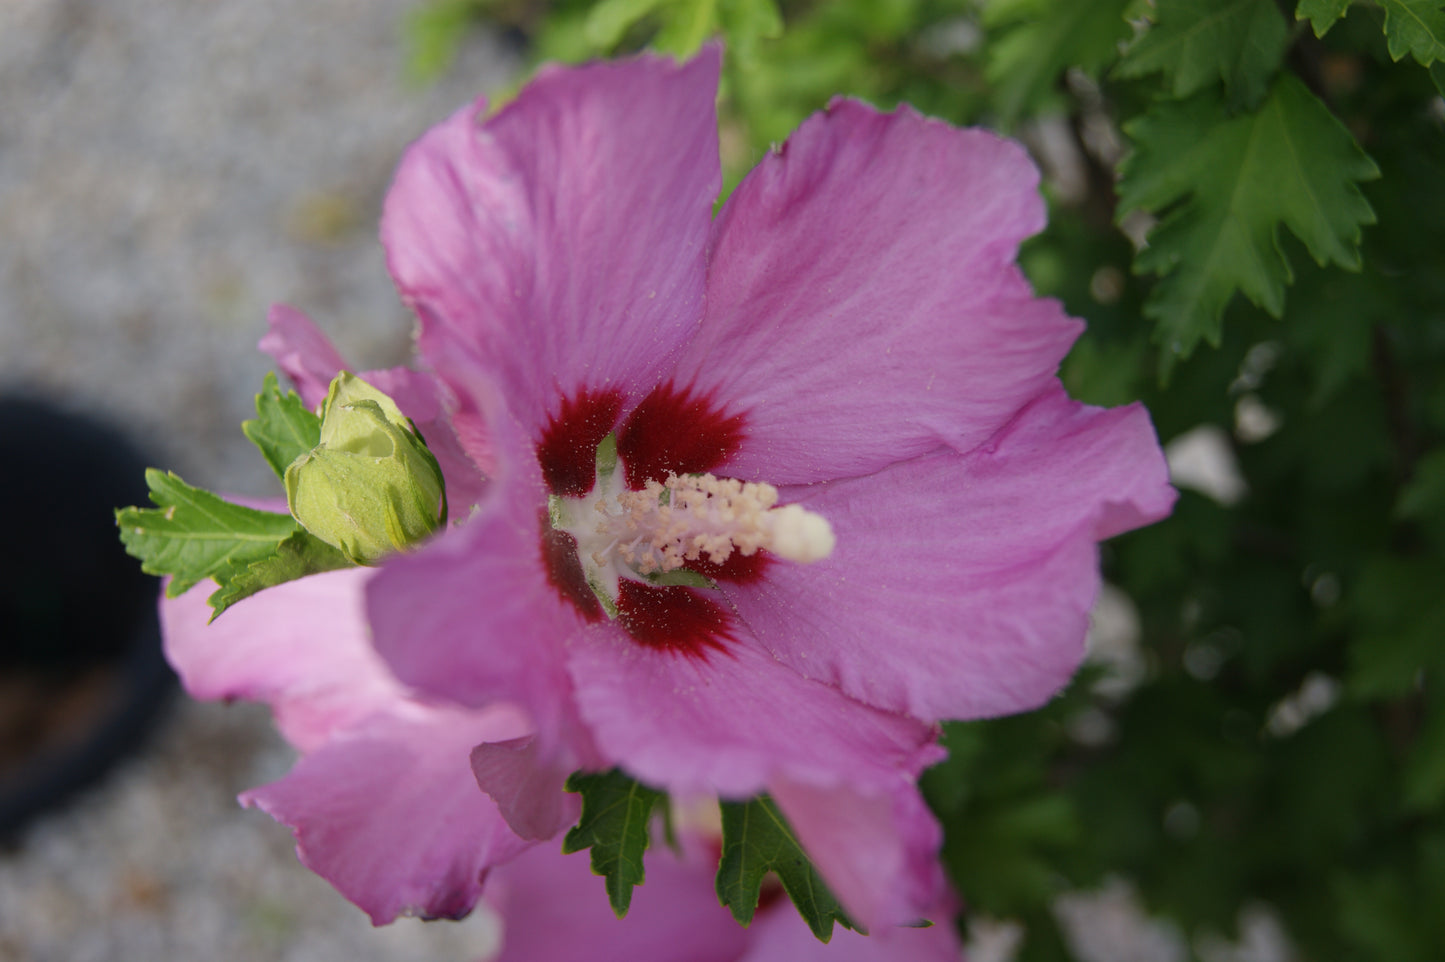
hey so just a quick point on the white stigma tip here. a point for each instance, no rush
(800, 535)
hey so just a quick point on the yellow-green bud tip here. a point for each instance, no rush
(370, 487)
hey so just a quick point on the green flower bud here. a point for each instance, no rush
(370, 487)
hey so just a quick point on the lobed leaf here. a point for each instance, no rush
(616, 811)
(1195, 43)
(1415, 27)
(1224, 186)
(284, 428)
(1321, 14)
(300, 555)
(192, 534)
(757, 840)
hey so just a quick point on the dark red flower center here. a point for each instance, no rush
(672, 431)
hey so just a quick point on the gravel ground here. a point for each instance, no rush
(160, 864)
(169, 169)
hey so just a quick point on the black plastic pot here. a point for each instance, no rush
(82, 677)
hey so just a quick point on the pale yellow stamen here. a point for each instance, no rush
(687, 518)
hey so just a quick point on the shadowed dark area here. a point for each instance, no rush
(81, 672)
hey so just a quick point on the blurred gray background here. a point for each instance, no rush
(169, 169)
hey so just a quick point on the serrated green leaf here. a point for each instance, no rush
(284, 429)
(616, 811)
(1039, 39)
(193, 534)
(1321, 14)
(1416, 27)
(757, 840)
(300, 555)
(1225, 184)
(1195, 43)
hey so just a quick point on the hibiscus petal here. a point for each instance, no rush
(563, 238)
(389, 812)
(472, 616)
(961, 585)
(862, 302)
(301, 647)
(877, 849)
(554, 908)
(731, 722)
(301, 351)
(527, 786)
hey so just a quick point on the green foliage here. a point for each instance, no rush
(1039, 39)
(758, 840)
(616, 812)
(192, 534)
(299, 555)
(1415, 27)
(1400, 610)
(1321, 14)
(1224, 185)
(1395, 915)
(284, 429)
(1009, 830)
(615, 824)
(1196, 43)
(433, 34)
(682, 26)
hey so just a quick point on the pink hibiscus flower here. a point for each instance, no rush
(767, 494)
